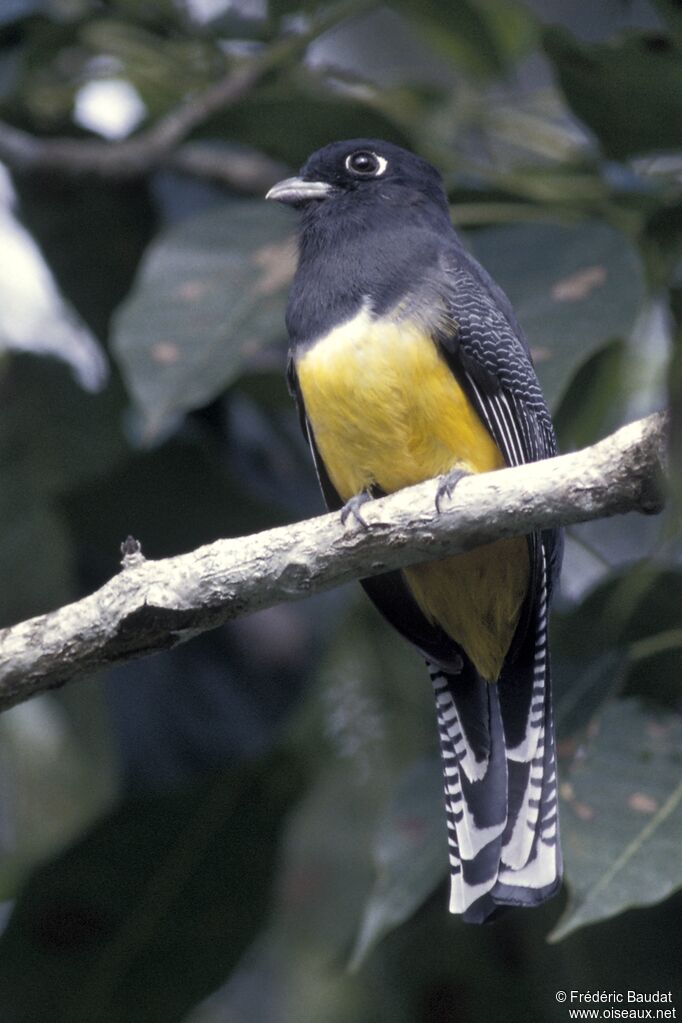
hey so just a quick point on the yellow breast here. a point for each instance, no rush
(386, 410)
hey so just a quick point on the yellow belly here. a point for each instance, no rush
(386, 410)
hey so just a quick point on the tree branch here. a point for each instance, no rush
(153, 605)
(131, 157)
(159, 144)
(239, 167)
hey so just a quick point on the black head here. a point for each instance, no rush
(362, 170)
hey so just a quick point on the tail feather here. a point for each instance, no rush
(531, 859)
(475, 788)
(540, 876)
(501, 799)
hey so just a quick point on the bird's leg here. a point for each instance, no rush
(353, 507)
(447, 484)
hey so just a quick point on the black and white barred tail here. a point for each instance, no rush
(499, 764)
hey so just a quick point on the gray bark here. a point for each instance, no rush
(153, 605)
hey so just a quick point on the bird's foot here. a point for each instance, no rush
(447, 484)
(353, 507)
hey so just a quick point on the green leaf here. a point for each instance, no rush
(326, 865)
(460, 31)
(480, 36)
(630, 606)
(620, 90)
(671, 12)
(513, 25)
(208, 304)
(622, 816)
(151, 910)
(280, 8)
(574, 288)
(409, 855)
(595, 399)
(296, 120)
(662, 242)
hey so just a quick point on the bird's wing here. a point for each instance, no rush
(489, 355)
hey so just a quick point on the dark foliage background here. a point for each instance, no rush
(249, 828)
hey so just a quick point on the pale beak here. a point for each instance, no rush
(295, 190)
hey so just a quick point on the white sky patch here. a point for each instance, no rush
(33, 315)
(112, 107)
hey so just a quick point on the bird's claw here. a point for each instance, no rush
(353, 506)
(447, 484)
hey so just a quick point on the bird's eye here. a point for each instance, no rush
(366, 164)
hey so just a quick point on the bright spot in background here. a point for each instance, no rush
(204, 11)
(34, 316)
(111, 107)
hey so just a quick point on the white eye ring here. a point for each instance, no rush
(382, 164)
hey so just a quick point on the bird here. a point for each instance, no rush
(407, 363)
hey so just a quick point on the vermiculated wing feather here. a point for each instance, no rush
(491, 359)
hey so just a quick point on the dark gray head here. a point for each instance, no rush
(375, 223)
(359, 174)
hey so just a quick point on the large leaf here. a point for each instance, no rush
(622, 828)
(207, 305)
(33, 314)
(326, 864)
(620, 90)
(671, 12)
(151, 910)
(409, 854)
(573, 287)
(476, 35)
(624, 636)
(296, 121)
(626, 608)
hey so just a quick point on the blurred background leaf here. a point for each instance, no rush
(574, 290)
(636, 78)
(624, 815)
(100, 922)
(208, 306)
(409, 856)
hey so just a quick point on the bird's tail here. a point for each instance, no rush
(497, 746)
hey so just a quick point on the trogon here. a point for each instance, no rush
(407, 362)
